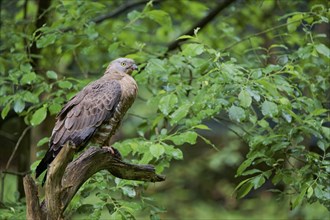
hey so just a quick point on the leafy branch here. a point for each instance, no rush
(266, 31)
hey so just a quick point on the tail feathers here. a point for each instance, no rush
(43, 165)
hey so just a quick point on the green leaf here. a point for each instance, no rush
(147, 157)
(319, 193)
(320, 111)
(128, 191)
(43, 141)
(167, 103)
(258, 181)
(310, 192)
(247, 163)
(245, 98)
(271, 88)
(65, 84)
(5, 110)
(28, 78)
(46, 40)
(177, 154)
(25, 67)
(236, 113)
(244, 165)
(54, 108)
(254, 94)
(51, 74)
(269, 109)
(277, 178)
(30, 97)
(294, 22)
(284, 101)
(325, 131)
(322, 49)
(185, 37)
(263, 123)
(244, 189)
(161, 17)
(154, 216)
(91, 32)
(202, 127)
(157, 150)
(322, 145)
(156, 65)
(34, 165)
(250, 172)
(19, 105)
(113, 49)
(191, 50)
(186, 137)
(39, 116)
(300, 197)
(180, 113)
(133, 15)
(287, 117)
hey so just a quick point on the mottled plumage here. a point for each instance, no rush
(94, 114)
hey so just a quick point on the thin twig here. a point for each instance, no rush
(264, 32)
(229, 128)
(121, 10)
(115, 13)
(16, 147)
(219, 119)
(9, 161)
(138, 116)
(17, 173)
(201, 23)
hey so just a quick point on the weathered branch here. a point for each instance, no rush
(33, 209)
(53, 186)
(85, 166)
(64, 178)
(201, 23)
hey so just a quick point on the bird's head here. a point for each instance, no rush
(122, 65)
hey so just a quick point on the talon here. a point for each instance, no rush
(110, 149)
(115, 153)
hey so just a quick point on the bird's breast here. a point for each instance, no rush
(129, 87)
(108, 128)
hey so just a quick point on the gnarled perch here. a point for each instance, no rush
(64, 178)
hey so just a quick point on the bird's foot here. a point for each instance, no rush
(115, 153)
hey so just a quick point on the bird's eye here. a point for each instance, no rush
(123, 64)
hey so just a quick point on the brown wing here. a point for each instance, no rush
(81, 116)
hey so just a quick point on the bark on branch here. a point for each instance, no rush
(64, 178)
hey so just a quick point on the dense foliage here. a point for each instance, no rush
(260, 70)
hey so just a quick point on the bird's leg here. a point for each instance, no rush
(115, 153)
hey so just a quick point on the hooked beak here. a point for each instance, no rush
(134, 67)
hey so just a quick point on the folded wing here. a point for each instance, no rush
(80, 118)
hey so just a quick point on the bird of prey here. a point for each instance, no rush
(94, 114)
